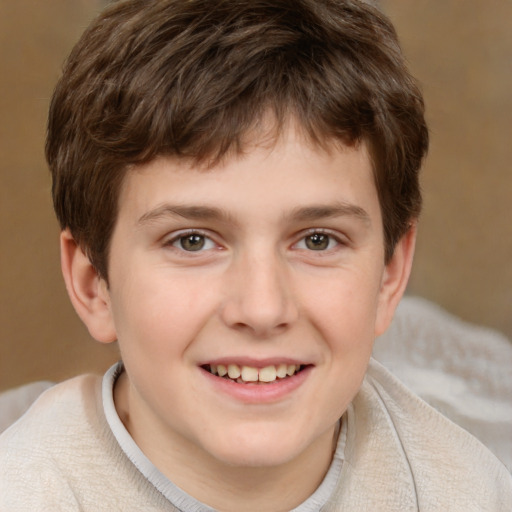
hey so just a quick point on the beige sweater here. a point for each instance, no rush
(400, 455)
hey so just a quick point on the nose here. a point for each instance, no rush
(259, 297)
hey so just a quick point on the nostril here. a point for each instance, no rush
(240, 326)
(261, 329)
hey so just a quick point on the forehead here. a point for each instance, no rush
(270, 177)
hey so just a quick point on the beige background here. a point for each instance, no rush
(460, 50)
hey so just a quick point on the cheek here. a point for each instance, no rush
(343, 308)
(164, 312)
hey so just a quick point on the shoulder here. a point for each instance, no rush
(38, 450)
(440, 465)
(62, 455)
(55, 411)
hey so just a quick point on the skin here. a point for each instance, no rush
(258, 291)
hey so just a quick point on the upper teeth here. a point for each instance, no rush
(252, 374)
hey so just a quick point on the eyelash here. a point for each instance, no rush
(180, 237)
(332, 237)
(183, 235)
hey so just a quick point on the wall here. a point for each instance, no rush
(462, 53)
(40, 335)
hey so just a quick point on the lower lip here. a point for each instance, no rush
(259, 393)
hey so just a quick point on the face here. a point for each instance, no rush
(269, 267)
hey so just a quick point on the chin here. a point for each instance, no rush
(256, 451)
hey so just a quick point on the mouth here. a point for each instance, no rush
(252, 375)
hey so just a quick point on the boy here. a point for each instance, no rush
(237, 185)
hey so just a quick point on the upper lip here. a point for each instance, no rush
(254, 362)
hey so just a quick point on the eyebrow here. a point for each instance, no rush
(299, 214)
(318, 212)
(187, 212)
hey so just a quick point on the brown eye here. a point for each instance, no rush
(192, 242)
(317, 241)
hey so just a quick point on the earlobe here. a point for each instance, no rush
(87, 290)
(394, 280)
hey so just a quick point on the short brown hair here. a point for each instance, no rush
(191, 78)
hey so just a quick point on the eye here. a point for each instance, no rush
(317, 241)
(193, 242)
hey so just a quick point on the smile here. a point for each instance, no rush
(250, 374)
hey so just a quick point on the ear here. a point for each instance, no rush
(394, 279)
(87, 290)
